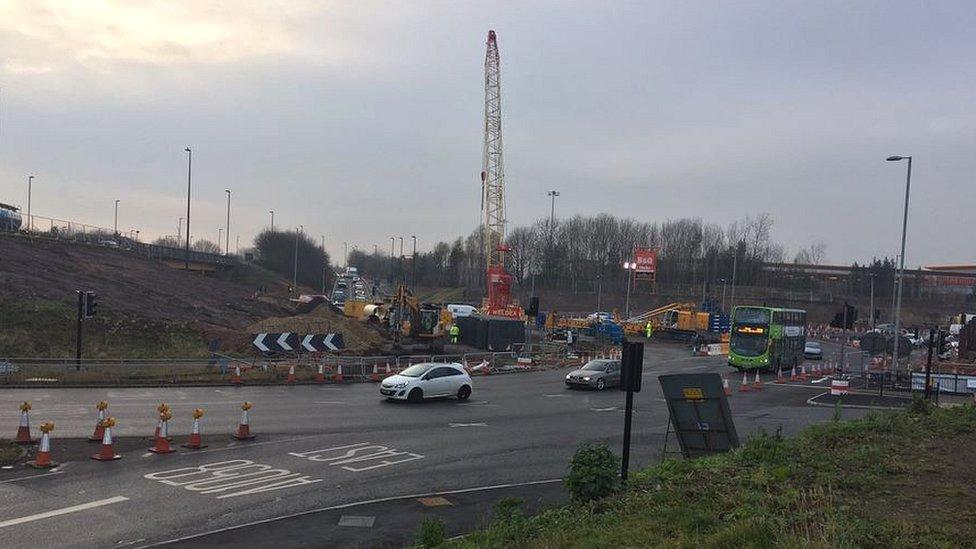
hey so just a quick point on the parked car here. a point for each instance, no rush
(601, 316)
(461, 310)
(428, 380)
(596, 374)
(813, 351)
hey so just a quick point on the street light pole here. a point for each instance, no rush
(30, 220)
(116, 224)
(872, 275)
(628, 267)
(272, 219)
(901, 262)
(294, 278)
(179, 231)
(219, 237)
(552, 219)
(189, 171)
(227, 247)
(413, 262)
(345, 255)
(735, 264)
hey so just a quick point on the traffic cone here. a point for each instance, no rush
(195, 442)
(744, 388)
(236, 378)
(337, 377)
(161, 409)
(99, 428)
(162, 437)
(725, 386)
(107, 453)
(244, 428)
(803, 372)
(43, 458)
(757, 384)
(779, 376)
(389, 373)
(291, 374)
(320, 375)
(793, 376)
(375, 376)
(23, 431)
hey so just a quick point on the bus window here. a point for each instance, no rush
(751, 315)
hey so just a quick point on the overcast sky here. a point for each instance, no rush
(362, 120)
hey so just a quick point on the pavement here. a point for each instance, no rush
(323, 453)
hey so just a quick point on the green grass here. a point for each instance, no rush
(897, 479)
(10, 452)
(46, 328)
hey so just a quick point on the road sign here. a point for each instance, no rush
(699, 413)
(290, 342)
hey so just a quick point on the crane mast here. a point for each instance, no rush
(499, 283)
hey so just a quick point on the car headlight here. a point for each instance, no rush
(568, 376)
(400, 385)
(587, 378)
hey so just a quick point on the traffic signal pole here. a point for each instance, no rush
(81, 314)
(843, 341)
(928, 365)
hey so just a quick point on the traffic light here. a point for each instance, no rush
(848, 313)
(631, 366)
(90, 304)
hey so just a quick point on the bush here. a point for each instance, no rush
(431, 533)
(593, 473)
(508, 509)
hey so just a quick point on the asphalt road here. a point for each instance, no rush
(323, 446)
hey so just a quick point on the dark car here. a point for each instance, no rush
(596, 374)
(813, 351)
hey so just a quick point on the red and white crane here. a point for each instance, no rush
(499, 301)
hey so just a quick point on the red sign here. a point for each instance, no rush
(646, 260)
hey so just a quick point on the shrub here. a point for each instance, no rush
(431, 533)
(592, 473)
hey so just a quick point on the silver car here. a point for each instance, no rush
(596, 374)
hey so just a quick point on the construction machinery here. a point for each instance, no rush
(499, 300)
(409, 318)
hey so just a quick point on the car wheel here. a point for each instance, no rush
(415, 395)
(601, 384)
(464, 392)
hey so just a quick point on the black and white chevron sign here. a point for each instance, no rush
(290, 342)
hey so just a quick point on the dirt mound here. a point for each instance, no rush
(358, 337)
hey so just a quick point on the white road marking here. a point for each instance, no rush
(19, 479)
(331, 402)
(63, 511)
(359, 452)
(482, 403)
(222, 476)
(610, 409)
(481, 424)
(560, 395)
(356, 504)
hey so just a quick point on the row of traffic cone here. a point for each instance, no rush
(320, 376)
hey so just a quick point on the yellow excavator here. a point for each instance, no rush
(409, 318)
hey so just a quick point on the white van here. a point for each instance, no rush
(462, 310)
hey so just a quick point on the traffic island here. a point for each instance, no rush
(861, 400)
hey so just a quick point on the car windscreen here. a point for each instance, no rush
(751, 315)
(416, 370)
(813, 345)
(748, 345)
(596, 365)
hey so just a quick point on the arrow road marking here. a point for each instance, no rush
(282, 341)
(64, 511)
(468, 424)
(259, 343)
(307, 343)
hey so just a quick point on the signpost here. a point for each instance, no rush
(631, 372)
(699, 413)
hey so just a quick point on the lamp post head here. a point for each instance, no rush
(896, 158)
(227, 191)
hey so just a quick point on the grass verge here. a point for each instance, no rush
(892, 479)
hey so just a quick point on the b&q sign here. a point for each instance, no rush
(646, 260)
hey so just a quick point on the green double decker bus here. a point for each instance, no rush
(767, 338)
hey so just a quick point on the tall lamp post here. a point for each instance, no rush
(413, 262)
(272, 219)
(901, 262)
(872, 275)
(629, 267)
(116, 224)
(552, 219)
(30, 220)
(189, 171)
(294, 278)
(179, 231)
(227, 230)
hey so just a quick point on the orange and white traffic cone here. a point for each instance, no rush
(244, 428)
(196, 441)
(23, 430)
(803, 372)
(320, 375)
(291, 374)
(337, 377)
(107, 452)
(236, 378)
(43, 458)
(99, 428)
(375, 376)
(161, 409)
(389, 372)
(757, 384)
(793, 376)
(744, 388)
(162, 437)
(779, 376)
(725, 386)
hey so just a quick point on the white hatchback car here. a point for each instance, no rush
(428, 380)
